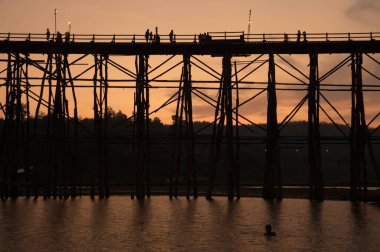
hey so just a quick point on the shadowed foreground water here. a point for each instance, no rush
(160, 224)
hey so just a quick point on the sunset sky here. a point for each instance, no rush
(194, 17)
(190, 16)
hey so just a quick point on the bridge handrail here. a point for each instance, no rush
(256, 37)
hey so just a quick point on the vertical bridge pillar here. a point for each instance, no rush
(358, 133)
(11, 132)
(183, 121)
(272, 188)
(100, 125)
(314, 145)
(142, 132)
(225, 114)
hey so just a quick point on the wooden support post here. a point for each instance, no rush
(142, 122)
(6, 131)
(224, 109)
(237, 170)
(73, 173)
(272, 188)
(176, 146)
(27, 134)
(12, 129)
(314, 145)
(189, 130)
(227, 89)
(49, 133)
(358, 132)
(59, 131)
(100, 125)
(184, 135)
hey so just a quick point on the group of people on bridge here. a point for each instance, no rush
(155, 38)
(59, 37)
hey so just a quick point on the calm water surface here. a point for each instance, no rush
(160, 224)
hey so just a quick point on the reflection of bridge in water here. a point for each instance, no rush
(54, 93)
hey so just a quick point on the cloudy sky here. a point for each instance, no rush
(195, 16)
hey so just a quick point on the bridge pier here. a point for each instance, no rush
(314, 146)
(358, 132)
(61, 153)
(101, 125)
(183, 121)
(11, 128)
(272, 188)
(141, 128)
(223, 119)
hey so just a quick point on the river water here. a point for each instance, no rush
(160, 224)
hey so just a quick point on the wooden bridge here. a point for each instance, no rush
(31, 86)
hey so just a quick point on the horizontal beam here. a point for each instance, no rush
(215, 48)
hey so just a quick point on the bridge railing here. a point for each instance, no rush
(188, 38)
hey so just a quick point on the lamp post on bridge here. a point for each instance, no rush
(55, 21)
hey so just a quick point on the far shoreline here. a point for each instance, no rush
(288, 192)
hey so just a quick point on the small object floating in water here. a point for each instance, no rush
(268, 230)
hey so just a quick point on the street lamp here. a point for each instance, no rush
(69, 27)
(55, 20)
(249, 24)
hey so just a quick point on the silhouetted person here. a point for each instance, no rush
(134, 38)
(299, 36)
(195, 39)
(286, 38)
(147, 35)
(304, 36)
(47, 34)
(268, 230)
(171, 34)
(59, 37)
(67, 37)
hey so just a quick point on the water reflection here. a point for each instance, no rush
(160, 224)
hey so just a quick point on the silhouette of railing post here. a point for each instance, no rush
(100, 125)
(142, 128)
(272, 188)
(358, 133)
(314, 145)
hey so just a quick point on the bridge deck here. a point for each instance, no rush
(191, 48)
(219, 44)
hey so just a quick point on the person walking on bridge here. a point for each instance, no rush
(151, 37)
(147, 35)
(171, 34)
(299, 36)
(47, 34)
